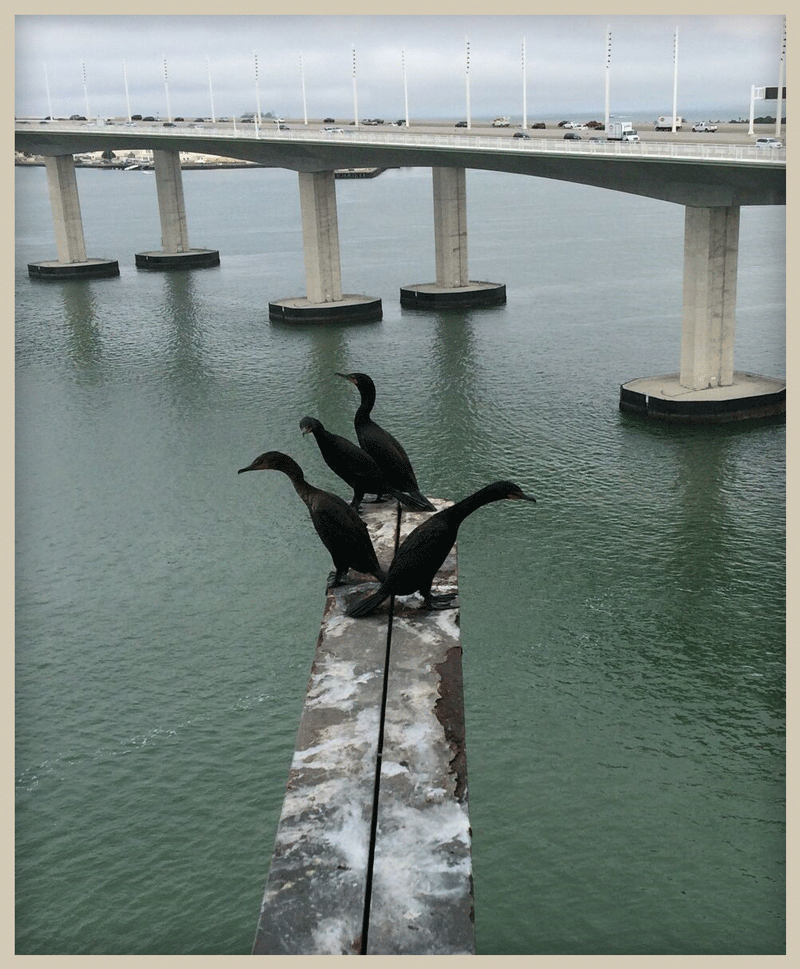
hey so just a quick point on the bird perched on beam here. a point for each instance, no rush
(342, 532)
(353, 465)
(387, 452)
(422, 554)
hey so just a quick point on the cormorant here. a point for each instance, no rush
(421, 555)
(386, 450)
(353, 465)
(342, 532)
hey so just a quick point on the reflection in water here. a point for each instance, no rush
(190, 376)
(84, 335)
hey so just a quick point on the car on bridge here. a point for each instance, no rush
(461, 124)
(769, 143)
(521, 134)
(572, 136)
(704, 126)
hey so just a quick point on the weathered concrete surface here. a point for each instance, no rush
(710, 259)
(314, 898)
(171, 202)
(66, 208)
(422, 899)
(320, 236)
(317, 891)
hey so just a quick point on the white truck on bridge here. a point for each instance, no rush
(621, 131)
(664, 123)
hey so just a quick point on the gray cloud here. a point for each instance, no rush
(720, 57)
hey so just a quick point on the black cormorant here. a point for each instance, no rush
(421, 555)
(353, 465)
(342, 532)
(387, 452)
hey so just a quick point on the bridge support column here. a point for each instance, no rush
(176, 252)
(324, 300)
(320, 236)
(453, 287)
(68, 227)
(450, 226)
(707, 389)
(710, 257)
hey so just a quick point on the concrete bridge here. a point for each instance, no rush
(712, 182)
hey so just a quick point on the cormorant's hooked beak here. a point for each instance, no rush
(346, 376)
(522, 497)
(241, 470)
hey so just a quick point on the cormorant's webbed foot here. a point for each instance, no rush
(336, 579)
(440, 601)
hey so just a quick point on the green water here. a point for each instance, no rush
(624, 638)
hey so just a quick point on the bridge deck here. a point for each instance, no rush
(702, 174)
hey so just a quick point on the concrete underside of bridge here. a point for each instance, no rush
(685, 181)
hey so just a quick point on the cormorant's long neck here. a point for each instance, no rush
(461, 509)
(367, 402)
(294, 473)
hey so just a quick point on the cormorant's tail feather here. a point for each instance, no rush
(367, 605)
(414, 500)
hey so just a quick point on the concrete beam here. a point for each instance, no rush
(373, 850)
(710, 259)
(686, 181)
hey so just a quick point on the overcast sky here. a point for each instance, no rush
(719, 58)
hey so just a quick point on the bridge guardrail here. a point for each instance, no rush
(641, 149)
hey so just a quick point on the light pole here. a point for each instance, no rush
(675, 84)
(755, 92)
(524, 90)
(127, 98)
(405, 84)
(258, 95)
(47, 91)
(355, 92)
(779, 103)
(469, 118)
(608, 73)
(210, 91)
(303, 86)
(85, 92)
(166, 89)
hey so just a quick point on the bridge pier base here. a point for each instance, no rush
(324, 300)
(176, 253)
(68, 226)
(707, 389)
(453, 288)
